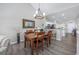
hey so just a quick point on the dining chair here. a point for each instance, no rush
(40, 41)
(26, 42)
(29, 31)
(48, 38)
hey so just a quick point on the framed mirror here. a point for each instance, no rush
(28, 23)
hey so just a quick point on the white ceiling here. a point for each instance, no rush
(61, 12)
(50, 8)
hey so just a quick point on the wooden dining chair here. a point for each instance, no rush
(29, 31)
(39, 41)
(27, 42)
(48, 38)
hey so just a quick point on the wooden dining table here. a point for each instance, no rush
(31, 37)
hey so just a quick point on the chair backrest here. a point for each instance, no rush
(49, 33)
(40, 34)
(29, 31)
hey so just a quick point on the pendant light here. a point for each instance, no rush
(38, 14)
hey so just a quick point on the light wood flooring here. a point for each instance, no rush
(67, 46)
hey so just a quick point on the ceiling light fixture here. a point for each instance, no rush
(63, 14)
(38, 14)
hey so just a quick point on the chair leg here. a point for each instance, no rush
(37, 47)
(47, 42)
(25, 43)
(32, 47)
(28, 43)
(42, 45)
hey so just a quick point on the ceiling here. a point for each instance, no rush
(50, 8)
(61, 12)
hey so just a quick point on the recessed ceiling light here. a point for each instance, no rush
(53, 16)
(62, 14)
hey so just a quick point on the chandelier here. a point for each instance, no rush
(38, 14)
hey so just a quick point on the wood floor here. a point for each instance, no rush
(67, 46)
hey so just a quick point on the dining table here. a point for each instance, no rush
(31, 37)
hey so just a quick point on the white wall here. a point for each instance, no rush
(11, 16)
